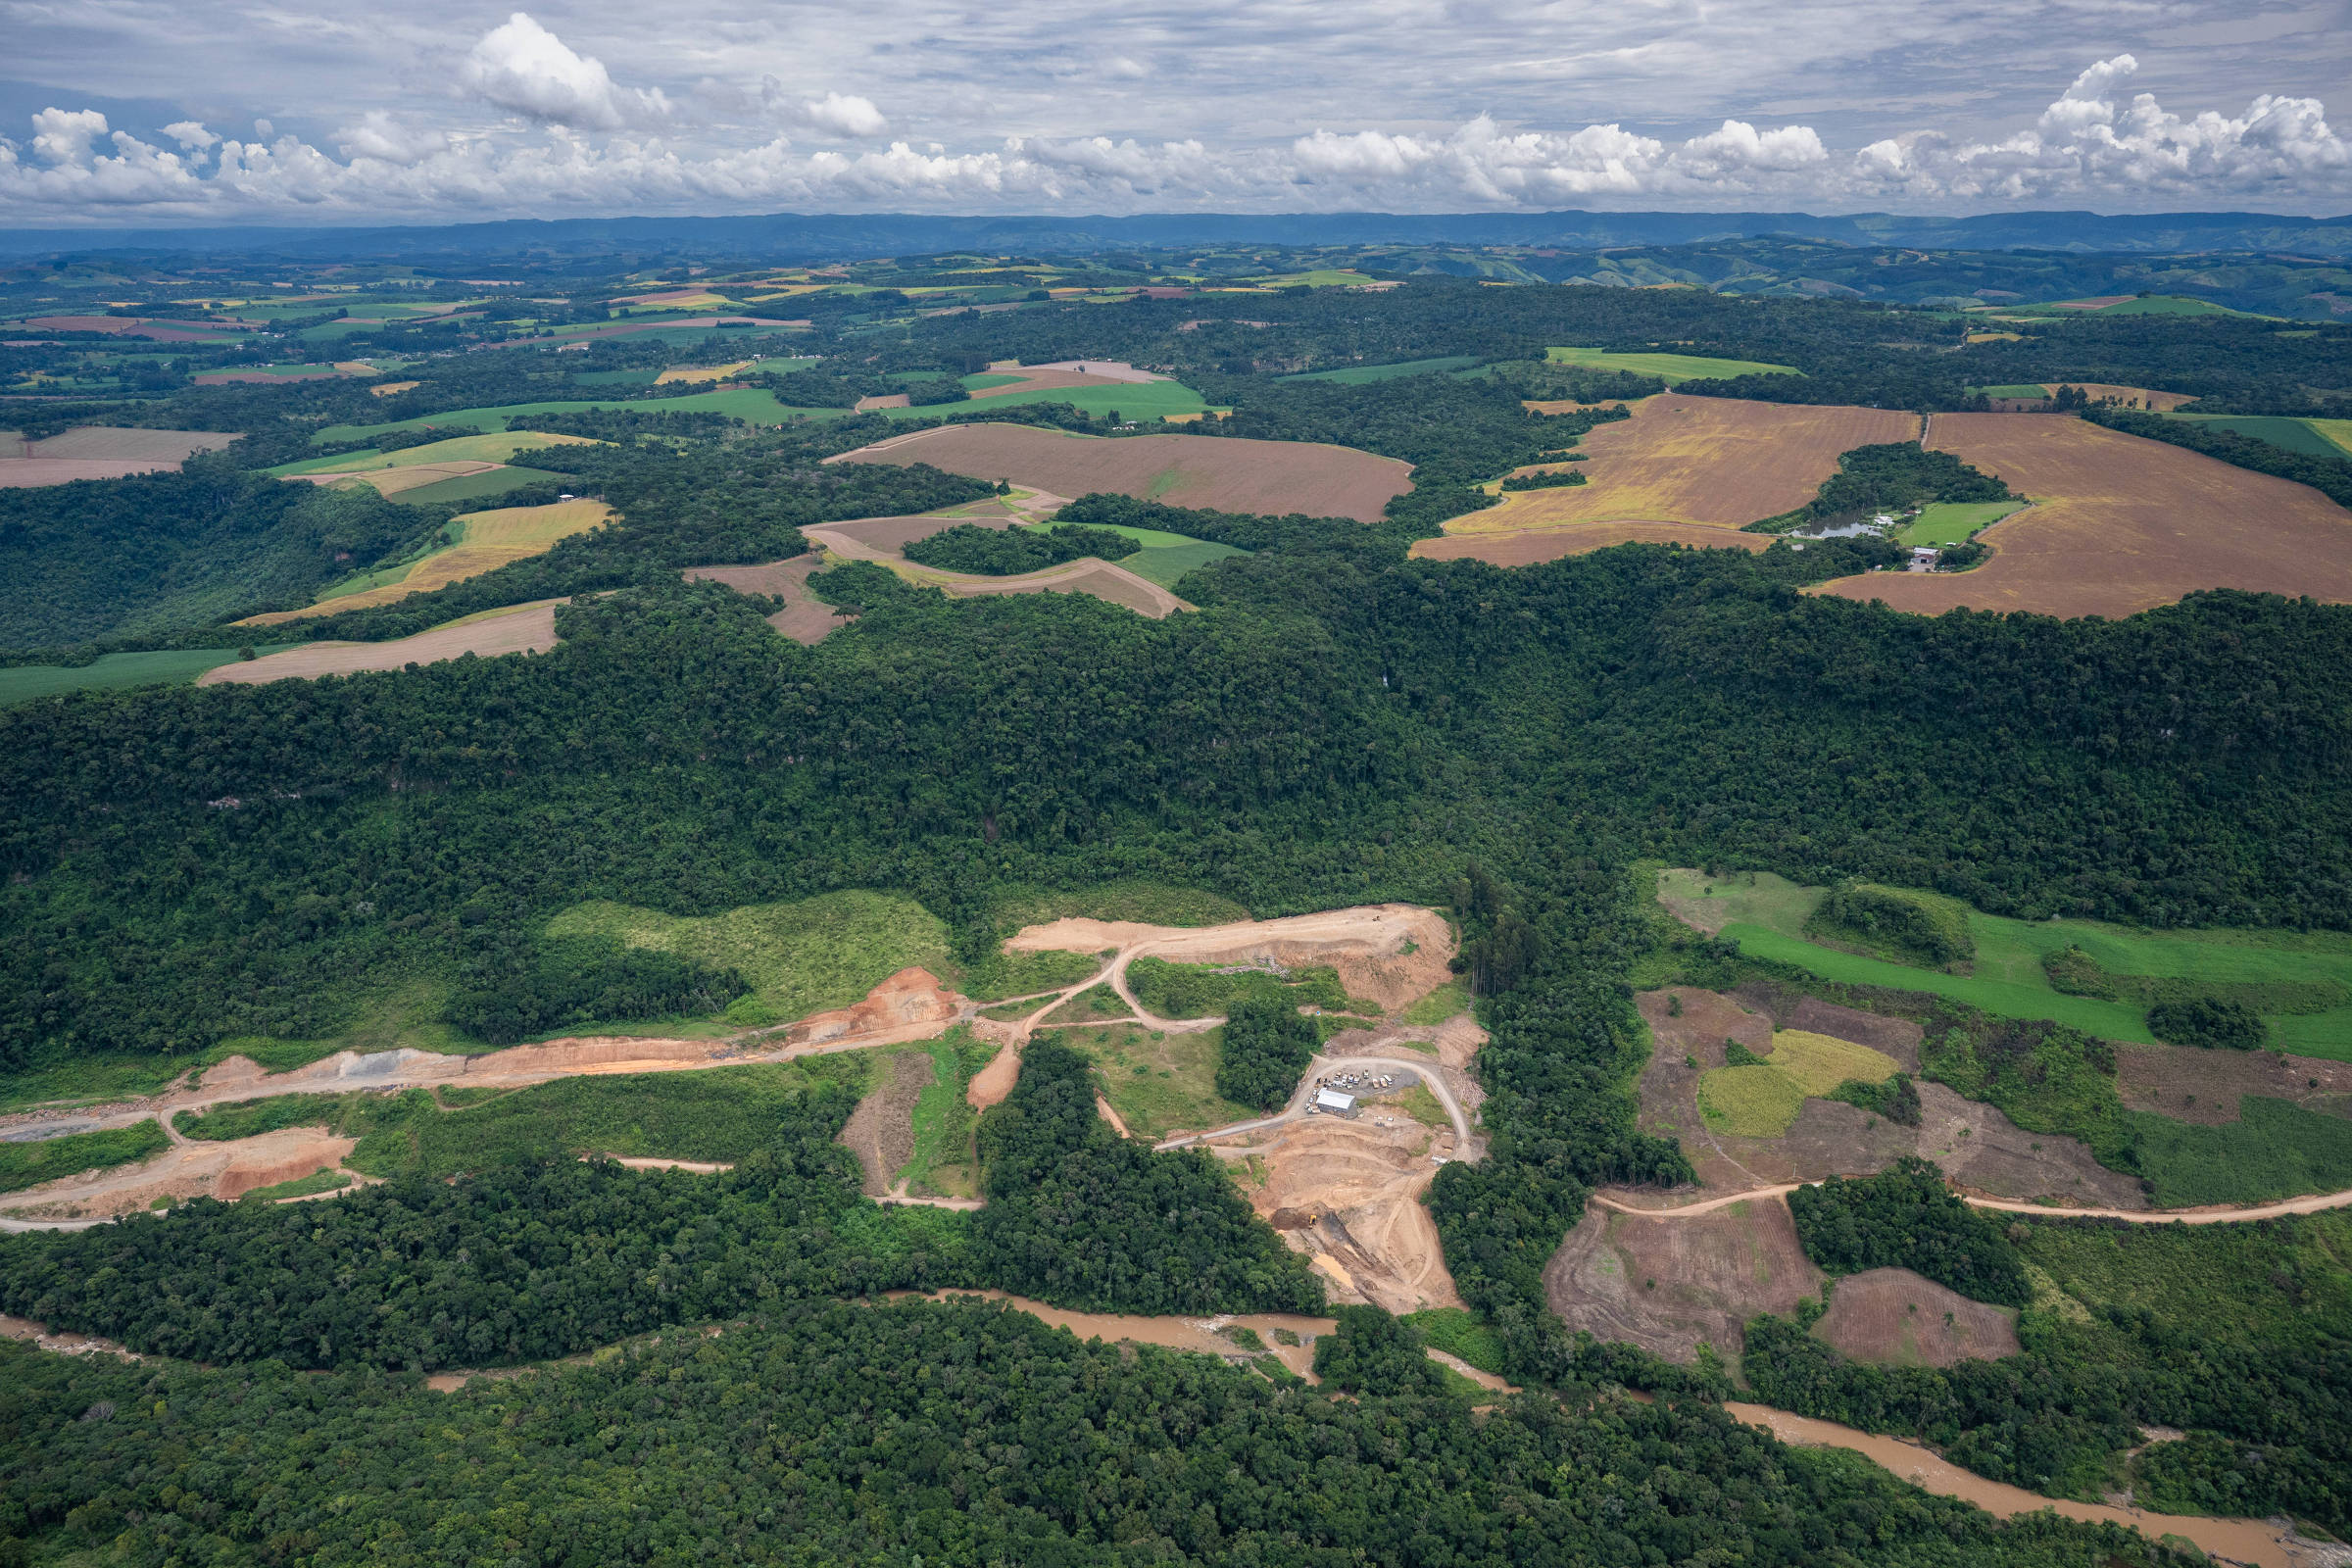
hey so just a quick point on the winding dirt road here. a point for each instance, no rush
(2310, 1203)
(1329, 1066)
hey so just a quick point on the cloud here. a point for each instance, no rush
(522, 66)
(847, 116)
(596, 151)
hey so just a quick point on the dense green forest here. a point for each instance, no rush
(1907, 1218)
(1004, 551)
(957, 1434)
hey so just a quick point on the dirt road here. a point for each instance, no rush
(1331, 1066)
(2310, 1203)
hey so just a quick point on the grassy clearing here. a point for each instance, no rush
(1159, 1084)
(1358, 374)
(2276, 1149)
(1669, 368)
(1449, 1000)
(22, 683)
(1422, 1105)
(472, 487)
(1763, 1101)
(757, 405)
(721, 1114)
(800, 959)
(1095, 1004)
(945, 1163)
(497, 447)
(1203, 991)
(1457, 1333)
(2016, 389)
(1165, 566)
(1952, 522)
(1766, 914)
(24, 1165)
(2221, 1282)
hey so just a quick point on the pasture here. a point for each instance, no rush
(485, 541)
(1720, 463)
(2273, 971)
(1668, 368)
(1218, 472)
(1952, 522)
(2312, 438)
(22, 683)
(2121, 525)
(1762, 1100)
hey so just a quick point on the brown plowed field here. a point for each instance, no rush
(100, 452)
(2206, 1087)
(1183, 471)
(2146, 397)
(1669, 1284)
(895, 534)
(2121, 525)
(1102, 581)
(1975, 1144)
(1718, 462)
(529, 628)
(1893, 1316)
(1534, 546)
(805, 618)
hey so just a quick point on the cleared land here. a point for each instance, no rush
(2143, 395)
(491, 540)
(1183, 470)
(1717, 461)
(754, 405)
(1668, 368)
(524, 628)
(2273, 971)
(101, 452)
(1350, 1196)
(1528, 547)
(1895, 1317)
(1761, 1099)
(493, 447)
(2121, 525)
(805, 618)
(23, 682)
(882, 539)
(1670, 1284)
(2313, 438)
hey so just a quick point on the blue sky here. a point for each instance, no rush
(138, 111)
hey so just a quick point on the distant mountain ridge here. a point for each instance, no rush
(811, 236)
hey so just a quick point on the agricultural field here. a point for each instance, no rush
(516, 629)
(497, 447)
(2313, 438)
(2119, 524)
(1762, 1100)
(2312, 971)
(754, 405)
(1533, 546)
(22, 683)
(1714, 463)
(1668, 368)
(98, 452)
(1219, 473)
(483, 541)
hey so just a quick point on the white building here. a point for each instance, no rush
(1332, 1102)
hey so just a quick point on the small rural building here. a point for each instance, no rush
(1333, 1102)
(1925, 555)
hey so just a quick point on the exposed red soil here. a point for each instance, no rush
(2121, 525)
(1533, 546)
(912, 1000)
(1350, 1196)
(223, 1170)
(2206, 1087)
(1183, 470)
(1668, 1284)
(530, 628)
(1893, 1316)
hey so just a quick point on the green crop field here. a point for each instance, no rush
(1133, 400)
(1766, 916)
(1358, 374)
(24, 1165)
(757, 405)
(1164, 565)
(474, 487)
(800, 959)
(22, 683)
(988, 378)
(1670, 367)
(2018, 389)
(1950, 523)
(2305, 436)
(2171, 305)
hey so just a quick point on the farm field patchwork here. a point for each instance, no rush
(1718, 462)
(1221, 473)
(2313, 438)
(486, 541)
(493, 447)
(2121, 525)
(1762, 1100)
(1668, 368)
(1766, 916)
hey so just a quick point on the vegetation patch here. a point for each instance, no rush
(1895, 922)
(24, 1165)
(1762, 1099)
(1204, 990)
(1160, 1083)
(1667, 368)
(1459, 1333)
(2274, 1149)
(1267, 1046)
(797, 958)
(311, 1185)
(1008, 552)
(1907, 1218)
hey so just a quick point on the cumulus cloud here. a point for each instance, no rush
(522, 66)
(847, 116)
(597, 150)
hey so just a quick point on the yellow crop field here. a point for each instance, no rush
(702, 372)
(1763, 1099)
(496, 446)
(491, 540)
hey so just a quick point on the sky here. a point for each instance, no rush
(137, 112)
